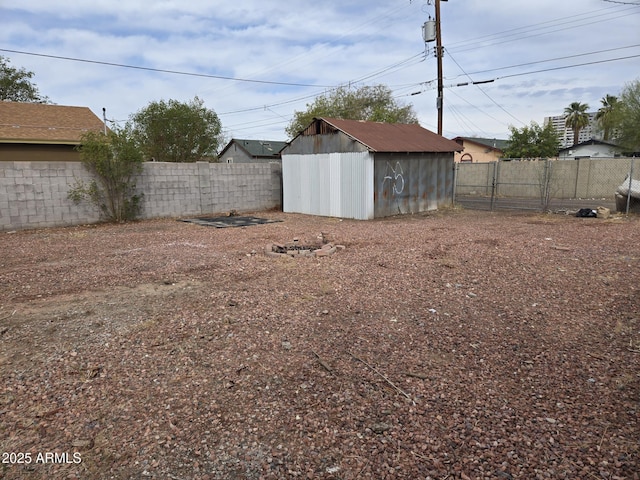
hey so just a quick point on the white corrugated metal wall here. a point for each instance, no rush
(329, 184)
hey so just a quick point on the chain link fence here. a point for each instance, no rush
(549, 185)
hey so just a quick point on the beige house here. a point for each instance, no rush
(37, 131)
(479, 150)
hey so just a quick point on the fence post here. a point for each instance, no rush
(546, 187)
(455, 184)
(630, 180)
(493, 183)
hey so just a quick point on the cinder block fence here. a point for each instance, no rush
(35, 194)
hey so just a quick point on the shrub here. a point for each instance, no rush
(114, 160)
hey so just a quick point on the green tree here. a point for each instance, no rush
(16, 85)
(628, 119)
(606, 115)
(370, 103)
(114, 160)
(177, 132)
(576, 118)
(532, 141)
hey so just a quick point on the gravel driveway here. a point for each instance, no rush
(450, 345)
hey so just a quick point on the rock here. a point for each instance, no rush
(380, 428)
(81, 443)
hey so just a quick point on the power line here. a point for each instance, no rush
(463, 84)
(160, 70)
(548, 60)
(393, 68)
(478, 108)
(485, 93)
(462, 120)
(475, 44)
(427, 87)
(569, 66)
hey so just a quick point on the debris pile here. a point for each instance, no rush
(296, 249)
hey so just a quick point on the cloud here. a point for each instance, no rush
(326, 44)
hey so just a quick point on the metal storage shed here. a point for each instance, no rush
(365, 170)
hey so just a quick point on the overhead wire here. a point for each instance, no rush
(385, 70)
(532, 31)
(462, 120)
(551, 69)
(562, 67)
(161, 70)
(393, 68)
(485, 93)
(545, 61)
(479, 109)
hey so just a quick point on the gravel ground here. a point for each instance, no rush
(450, 345)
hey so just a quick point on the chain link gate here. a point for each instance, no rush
(544, 185)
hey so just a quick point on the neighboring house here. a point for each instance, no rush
(251, 151)
(589, 149)
(365, 170)
(479, 150)
(36, 131)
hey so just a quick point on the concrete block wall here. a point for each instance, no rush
(169, 189)
(35, 194)
(244, 186)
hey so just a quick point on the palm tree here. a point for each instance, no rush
(576, 118)
(606, 114)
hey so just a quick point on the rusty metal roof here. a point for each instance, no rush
(44, 123)
(391, 137)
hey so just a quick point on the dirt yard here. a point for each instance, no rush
(453, 345)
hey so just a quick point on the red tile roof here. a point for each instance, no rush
(394, 137)
(44, 123)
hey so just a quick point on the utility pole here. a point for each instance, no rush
(439, 52)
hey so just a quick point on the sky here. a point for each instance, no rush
(257, 62)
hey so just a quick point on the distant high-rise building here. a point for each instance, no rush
(565, 134)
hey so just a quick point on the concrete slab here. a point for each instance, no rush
(232, 221)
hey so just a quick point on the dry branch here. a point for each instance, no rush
(596, 356)
(421, 376)
(323, 363)
(374, 369)
(7, 316)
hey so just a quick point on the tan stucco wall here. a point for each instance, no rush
(477, 152)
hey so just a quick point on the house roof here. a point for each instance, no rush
(492, 143)
(391, 137)
(45, 123)
(592, 141)
(257, 148)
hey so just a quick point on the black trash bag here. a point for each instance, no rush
(586, 213)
